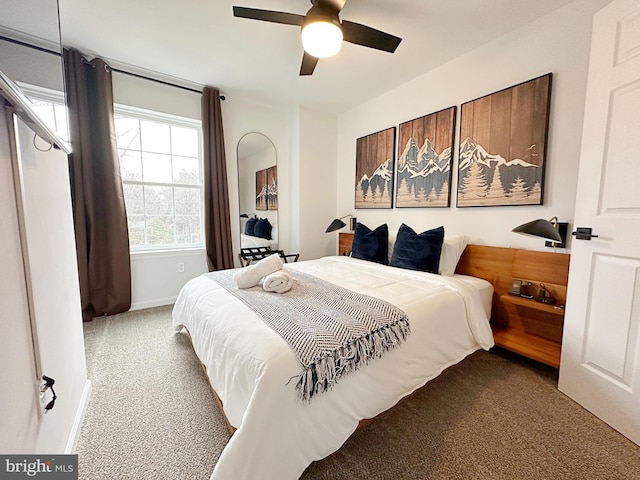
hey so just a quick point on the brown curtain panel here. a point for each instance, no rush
(102, 238)
(217, 225)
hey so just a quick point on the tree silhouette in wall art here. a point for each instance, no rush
(502, 151)
(425, 147)
(374, 169)
(261, 190)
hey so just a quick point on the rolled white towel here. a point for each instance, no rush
(278, 282)
(251, 275)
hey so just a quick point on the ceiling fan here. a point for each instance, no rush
(322, 31)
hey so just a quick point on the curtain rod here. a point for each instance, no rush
(117, 70)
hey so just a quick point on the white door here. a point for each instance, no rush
(600, 363)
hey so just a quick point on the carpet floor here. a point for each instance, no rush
(493, 416)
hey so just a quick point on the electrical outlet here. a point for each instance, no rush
(180, 267)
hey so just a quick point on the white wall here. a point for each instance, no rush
(557, 43)
(141, 93)
(316, 183)
(23, 64)
(53, 302)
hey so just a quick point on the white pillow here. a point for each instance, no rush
(452, 249)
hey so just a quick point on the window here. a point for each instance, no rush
(160, 164)
(49, 105)
(161, 169)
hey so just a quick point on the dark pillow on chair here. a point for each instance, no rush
(262, 229)
(418, 251)
(250, 226)
(372, 245)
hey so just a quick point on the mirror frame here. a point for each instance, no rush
(265, 163)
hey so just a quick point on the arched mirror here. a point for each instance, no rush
(258, 191)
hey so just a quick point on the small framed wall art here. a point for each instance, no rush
(503, 139)
(374, 169)
(267, 189)
(425, 147)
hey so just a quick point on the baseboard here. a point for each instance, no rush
(72, 442)
(157, 302)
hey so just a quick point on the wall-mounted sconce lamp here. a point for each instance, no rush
(337, 224)
(553, 231)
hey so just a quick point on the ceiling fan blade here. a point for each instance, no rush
(369, 37)
(334, 6)
(268, 15)
(309, 63)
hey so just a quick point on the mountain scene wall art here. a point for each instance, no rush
(502, 150)
(374, 169)
(425, 147)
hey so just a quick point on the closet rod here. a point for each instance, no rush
(124, 72)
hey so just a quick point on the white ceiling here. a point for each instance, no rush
(198, 42)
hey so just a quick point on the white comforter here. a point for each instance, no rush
(249, 364)
(249, 241)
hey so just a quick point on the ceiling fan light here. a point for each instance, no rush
(321, 39)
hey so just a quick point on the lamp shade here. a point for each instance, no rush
(337, 224)
(321, 38)
(540, 228)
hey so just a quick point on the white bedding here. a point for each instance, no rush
(249, 365)
(249, 241)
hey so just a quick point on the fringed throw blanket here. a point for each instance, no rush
(332, 330)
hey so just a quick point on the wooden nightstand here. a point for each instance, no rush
(522, 325)
(533, 329)
(345, 239)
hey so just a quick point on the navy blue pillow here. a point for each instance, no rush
(418, 251)
(372, 245)
(250, 226)
(262, 229)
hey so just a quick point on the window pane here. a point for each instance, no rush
(136, 230)
(156, 167)
(158, 152)
(160, 230)
(127, 133)
(184, 141)
(130, 165)
(133, 199)
(188, 229)
(186, 170)
(155, 137)
(158, 200)
(187, 201)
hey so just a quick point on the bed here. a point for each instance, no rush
(250, 366)
(249, 241)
